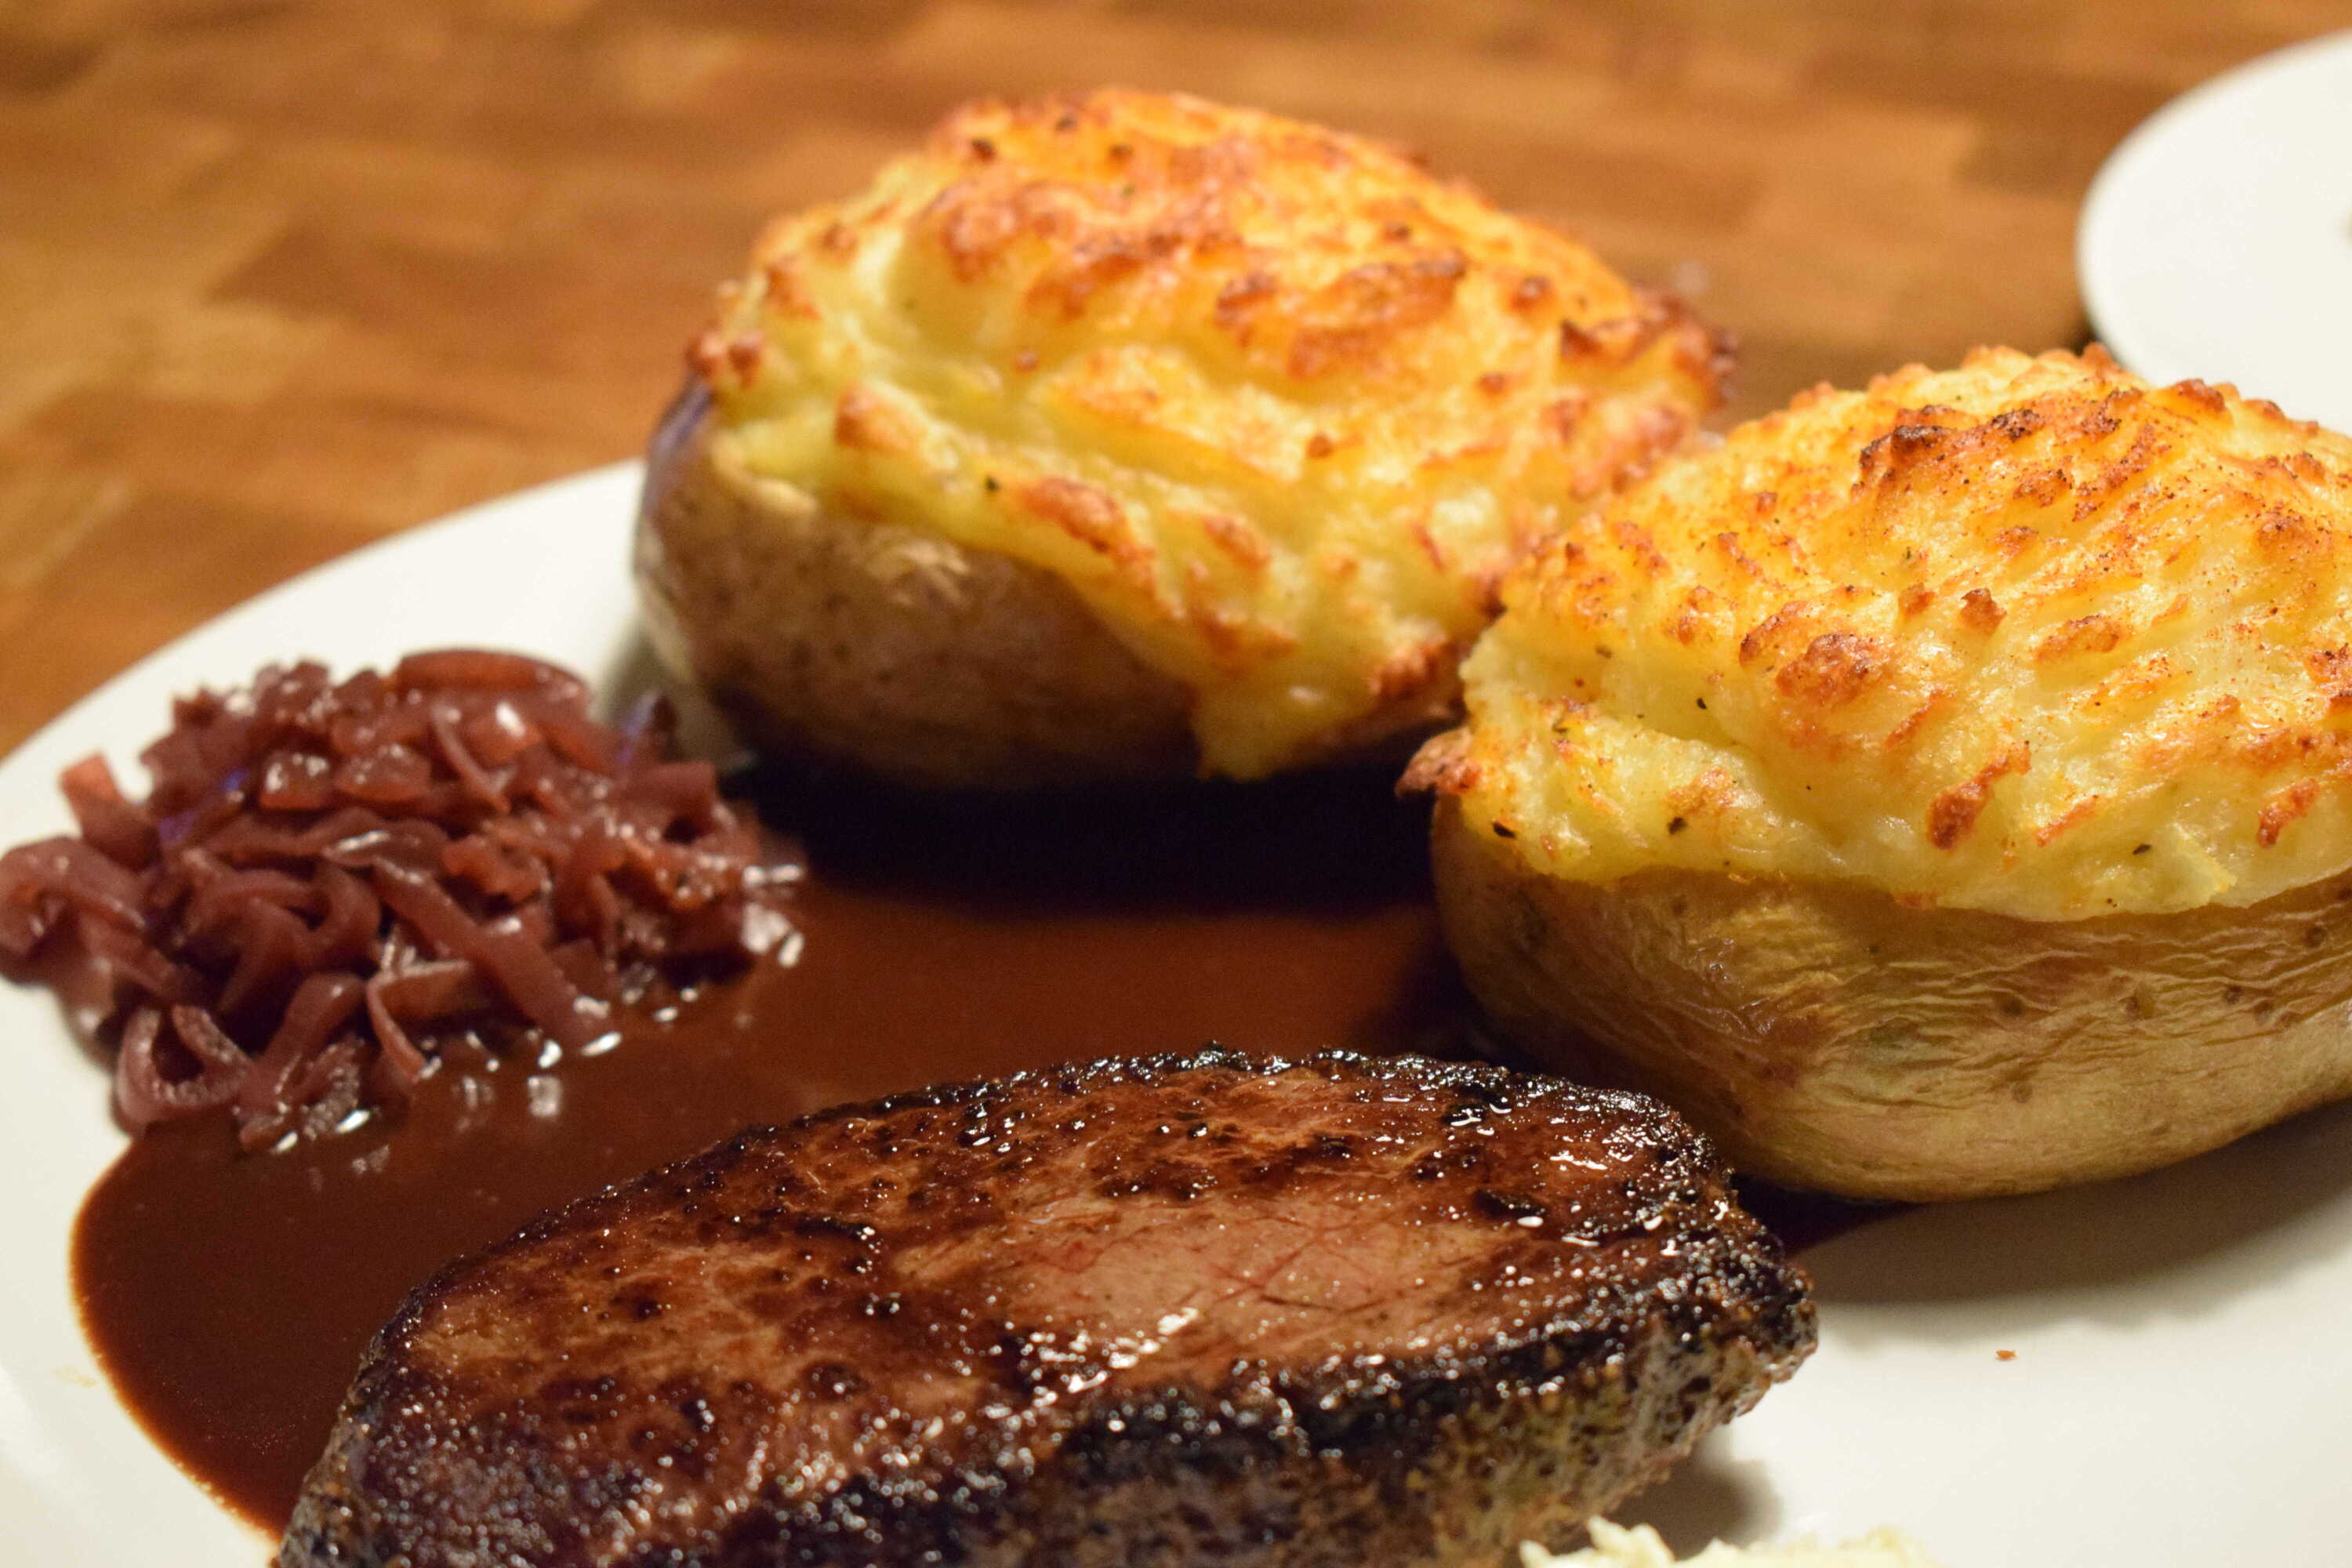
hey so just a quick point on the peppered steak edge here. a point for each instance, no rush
(1436, 1459)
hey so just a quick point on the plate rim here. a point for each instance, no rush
(2115, 319)
(56, 1402)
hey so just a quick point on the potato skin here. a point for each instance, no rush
(1830, 1038)
(882, 647)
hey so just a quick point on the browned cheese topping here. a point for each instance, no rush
(2030, 636)
(1279, 405)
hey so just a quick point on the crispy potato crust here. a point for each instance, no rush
(1275, 404)
(2030, 637)
(1828, 1037)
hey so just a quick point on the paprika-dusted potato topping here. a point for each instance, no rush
(2031, 635)
(1275, 404)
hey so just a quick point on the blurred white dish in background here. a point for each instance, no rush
(2216, 240)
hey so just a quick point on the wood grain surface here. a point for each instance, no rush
(278, 278)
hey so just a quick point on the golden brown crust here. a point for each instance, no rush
(1277, 406)
(1832, 1038)
(2030, 636)
(883, 646)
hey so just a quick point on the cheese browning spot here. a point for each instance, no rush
(864, 422)
(1979, 611)
(1088, 515)
(2089, 633)
(1835, 668)
(2284, 809)
(1952, 814)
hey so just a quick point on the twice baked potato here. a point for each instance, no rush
(1126, 435)
(1939, 790)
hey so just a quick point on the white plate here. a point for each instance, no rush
(2180, 1390)
(2216, 240)
(545, 572)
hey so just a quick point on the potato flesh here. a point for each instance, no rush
(2030, 636)
(1830, 1038)
(1275, 404)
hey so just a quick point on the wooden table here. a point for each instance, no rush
(278, 278)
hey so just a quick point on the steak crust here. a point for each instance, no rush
(1200, 1309)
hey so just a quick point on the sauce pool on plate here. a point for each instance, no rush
(230, 1295)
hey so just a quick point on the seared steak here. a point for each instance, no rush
(1180, 1310)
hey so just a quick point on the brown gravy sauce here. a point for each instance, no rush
(230, 1297)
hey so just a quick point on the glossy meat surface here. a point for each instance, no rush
(1174, 1309)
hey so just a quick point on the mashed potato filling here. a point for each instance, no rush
(1280, 406)
(2031, 637)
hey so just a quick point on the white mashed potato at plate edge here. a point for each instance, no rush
(1640, 1547)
